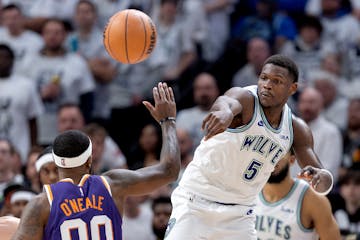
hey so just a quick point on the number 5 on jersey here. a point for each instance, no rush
(252, 170)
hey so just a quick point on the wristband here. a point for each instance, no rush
(167, 119)
(331, 186)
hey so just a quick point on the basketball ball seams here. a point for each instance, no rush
(145, 40)
(126, 33)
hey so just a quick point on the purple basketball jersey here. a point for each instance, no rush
(82, 212)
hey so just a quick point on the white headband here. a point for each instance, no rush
(21, 195)
(46, 158)
(66, 162)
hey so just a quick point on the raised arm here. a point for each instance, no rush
(146, 180)
(33, 219)
(312, 169)
(228, 109)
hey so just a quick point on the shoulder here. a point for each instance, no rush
(313, 200)
(301, 129)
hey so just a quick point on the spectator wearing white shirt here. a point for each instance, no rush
(327, 138)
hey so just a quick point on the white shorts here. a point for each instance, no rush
(195, 218)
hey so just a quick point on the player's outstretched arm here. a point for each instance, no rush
(318, 210)
(33, 219)
(146, 180)
(312, 169)
(224, 109)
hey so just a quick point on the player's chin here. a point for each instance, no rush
(266, 102)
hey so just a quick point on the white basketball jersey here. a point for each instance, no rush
(233, 166)
(281, 220)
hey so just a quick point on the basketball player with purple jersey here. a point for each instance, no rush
(83, 206)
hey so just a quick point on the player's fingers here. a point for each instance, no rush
(156, 94)
(149, 106)
(166, 90)
(161, 91)
(171, 92)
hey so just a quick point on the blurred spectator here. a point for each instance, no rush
(99, 136)
(24, 5)
(352, 135)
(161, 208)
(31, 175)
(46, 167)
(14, 34)
(334, 104)
(147, 151)
(6, 173)
(257, 51)
(218, 17)
(19, 199)
(70, 117)
(346, 204)
(87, 40)
(205, 92)
(60, 77)
(327, 137)
(137, 219)
(18, 112)
(268, 23)
(308, 47)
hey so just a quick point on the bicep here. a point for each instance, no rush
(33, 220)
(303, 145)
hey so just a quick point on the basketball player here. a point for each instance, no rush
(83, 206)
(8, 226)
(248, 130)
(290, 209)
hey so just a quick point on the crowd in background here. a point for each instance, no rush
(56, 75)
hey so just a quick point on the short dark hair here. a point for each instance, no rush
(68, 105)
(8, 50)
(47, 150)
(90, 3)
(160, 200)
(285, 62)
(311, 21)
(70, 144)
(11, 7)
(351, 176)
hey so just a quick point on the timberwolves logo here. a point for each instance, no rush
(170, 225)
(260, 123)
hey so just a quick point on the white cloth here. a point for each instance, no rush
(63, 9)
(75, 80)
(25, 44)
(233, 166)
(196, 218)
(190, 119)
(282, 219)
(19, 102)
(327, 146)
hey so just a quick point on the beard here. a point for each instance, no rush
(159, 232)
(280, 176)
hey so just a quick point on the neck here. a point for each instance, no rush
(16, 31)
(273, 116)
(85, 31)
(75, 175)
(53, 52)
(274, 192)
(352, 207)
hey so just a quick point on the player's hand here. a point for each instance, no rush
(216, 122)
(165, 105)
(319, 179)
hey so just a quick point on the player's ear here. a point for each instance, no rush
(293, 88)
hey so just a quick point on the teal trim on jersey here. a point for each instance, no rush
(247, 126)
(298, 211)
(274, 204)
(291, 127)
(267, 124)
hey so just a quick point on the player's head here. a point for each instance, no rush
(7, 57)
(19, 199)
(281, 170)
(72, 150)
(12, 18)
(277, 81)
(161, 208)
(46, 167)
(86, 14)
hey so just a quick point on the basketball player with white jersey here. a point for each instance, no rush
(288, 208)
(248, 130)
(84, 206)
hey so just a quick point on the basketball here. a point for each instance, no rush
(130, 36)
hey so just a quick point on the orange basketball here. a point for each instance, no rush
(130, 36)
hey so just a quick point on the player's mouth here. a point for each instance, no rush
(266, 94)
